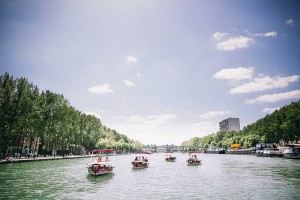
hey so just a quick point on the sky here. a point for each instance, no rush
(158, 71)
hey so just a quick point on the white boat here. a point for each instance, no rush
(101, 165)
(270, 152)
(292, 152)
(193, 160)
(140, 161)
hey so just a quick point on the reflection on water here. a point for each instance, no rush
(219, 177)
(99, 179)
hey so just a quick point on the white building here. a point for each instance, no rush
(230, 124)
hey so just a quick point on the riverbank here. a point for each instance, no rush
(40, 158)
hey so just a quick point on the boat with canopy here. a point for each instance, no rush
(102, 164)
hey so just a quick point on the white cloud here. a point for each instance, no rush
(269, 110)
(275, 97)
(101, 89)
(235, 74)
(264, 83)
(152, 119)
(234, 43)
(291, 23)
(139, 75)
(128, 83)
(270, 34)
(131, 60)
(219, 36)
(211, 114)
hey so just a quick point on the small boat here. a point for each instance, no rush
(102, 165)
(170, 157)
(141, 161)
(193, 160)
(293, 152)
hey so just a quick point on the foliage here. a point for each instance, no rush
(25, 113)
(281, 125)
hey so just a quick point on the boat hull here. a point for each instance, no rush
(170, 159)
(241, 152)
(139, 165)
(193, 162)
(291, 156)
(292, 153)
(215, 152)
(100, 169)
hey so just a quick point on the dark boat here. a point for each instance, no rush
(236, 149)
(215, 150)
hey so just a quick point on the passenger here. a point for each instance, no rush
(146, 159)
(136, 158)
(143, 158)
(195, 157)
(107, 159)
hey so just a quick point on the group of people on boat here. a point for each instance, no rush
(141, 158)
(193, 159)
(169, 157)
(100, 159)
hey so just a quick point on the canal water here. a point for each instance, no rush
(219, 177)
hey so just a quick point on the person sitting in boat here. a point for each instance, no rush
(136, 159)
(98, 159)
(106, 160)
(146, 159)
(195, 158)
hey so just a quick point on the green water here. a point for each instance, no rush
(219, 177)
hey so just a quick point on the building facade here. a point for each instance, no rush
(230, 124)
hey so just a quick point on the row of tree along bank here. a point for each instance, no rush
(282, 125)
(34, 122)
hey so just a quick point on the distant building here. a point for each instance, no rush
(230, 124)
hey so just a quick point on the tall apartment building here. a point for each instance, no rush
(230, 124)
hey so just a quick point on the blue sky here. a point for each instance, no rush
(158, 71)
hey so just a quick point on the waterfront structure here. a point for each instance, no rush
(230, 124)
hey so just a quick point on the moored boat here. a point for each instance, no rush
(214, 150)
(236, 149)
(271, 152)
(267, 150)
(292, 152)
(140, 161)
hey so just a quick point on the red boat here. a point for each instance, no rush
(141, 160)
(101, 165)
